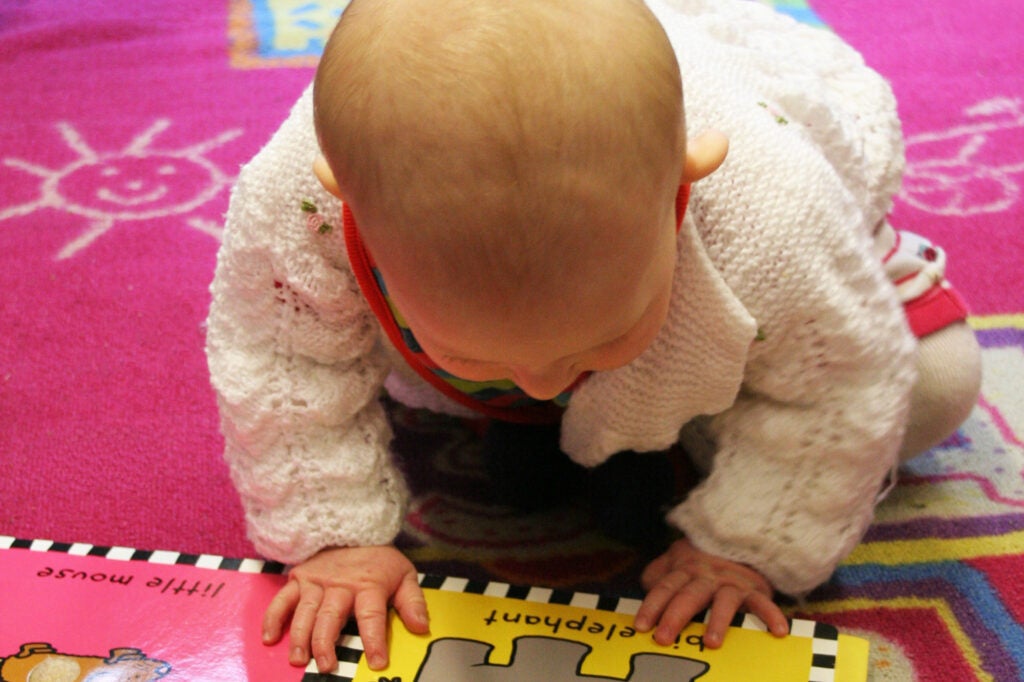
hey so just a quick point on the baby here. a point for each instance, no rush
(515, 218)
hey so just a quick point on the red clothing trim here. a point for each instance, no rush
(935, 309)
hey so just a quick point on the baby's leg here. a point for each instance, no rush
(948, 356)
(947, 388)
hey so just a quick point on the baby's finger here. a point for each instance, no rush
(412, 606)
(302, 622)
(764, 608)
(658, 597)
(691, 600)
(726, 603)
(333, 613)
(278, 612)
(371, 609)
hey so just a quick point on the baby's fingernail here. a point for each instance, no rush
(377, 661)
(642, 624)
(713, 640)
(323, 665)
(298, 655)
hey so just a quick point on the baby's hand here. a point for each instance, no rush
(326, 589)
(684, 580)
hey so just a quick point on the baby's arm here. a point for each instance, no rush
(806, 449)
(794, 484)
(293, 356)
(791, 492)
(306, 441)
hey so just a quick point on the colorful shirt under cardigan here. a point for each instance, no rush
(500, 399)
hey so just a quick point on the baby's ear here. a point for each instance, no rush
(326, 176)
(704, 154)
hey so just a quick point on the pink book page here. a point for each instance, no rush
(67, 617)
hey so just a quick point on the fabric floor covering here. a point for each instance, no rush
(122, 126)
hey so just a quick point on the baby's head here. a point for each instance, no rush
(513, 168)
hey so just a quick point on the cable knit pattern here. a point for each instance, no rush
(782, 325)
(294, 357)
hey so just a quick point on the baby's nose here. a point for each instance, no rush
(543, 384)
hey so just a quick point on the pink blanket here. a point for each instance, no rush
(122, 126)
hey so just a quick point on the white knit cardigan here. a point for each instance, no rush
(782, 329)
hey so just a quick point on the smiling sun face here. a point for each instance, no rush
(135, 187)
(133, 184)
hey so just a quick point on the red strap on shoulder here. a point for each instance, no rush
(682, 201)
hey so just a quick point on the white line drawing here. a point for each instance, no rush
(139, 182)
(971, 168)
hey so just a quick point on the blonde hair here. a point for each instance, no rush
(498, 128)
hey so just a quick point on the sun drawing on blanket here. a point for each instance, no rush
(136, 183)
(971, 168)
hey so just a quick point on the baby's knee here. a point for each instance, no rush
(947, 388)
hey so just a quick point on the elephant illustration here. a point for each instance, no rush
(542, 659)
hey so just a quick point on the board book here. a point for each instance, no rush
(79, 613)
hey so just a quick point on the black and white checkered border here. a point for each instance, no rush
(163, 557)
(824, 644)
(825, 638)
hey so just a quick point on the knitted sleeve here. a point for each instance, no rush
(804, 451)
(293, 357)
(815, 156)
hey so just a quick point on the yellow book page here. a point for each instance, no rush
(476, 638)
(852, 664)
